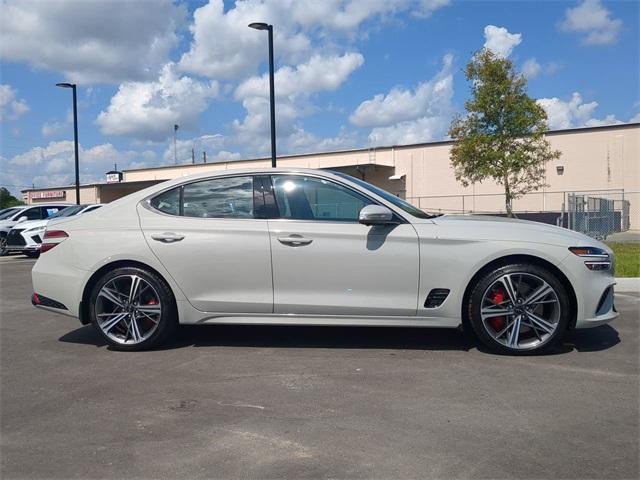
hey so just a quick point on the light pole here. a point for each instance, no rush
(75, 135)
(272, 102)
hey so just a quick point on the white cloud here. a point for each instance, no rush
(531, 68)
(410, 116)
(91, 41)
(573, 113)
(500, 41)
(223, 47)
(148, 110)
(594, 21)
(317, 74)
(53, 129)
(635, 118)
(404, 104)
(54, 163)
(11, 107)
(294, 86)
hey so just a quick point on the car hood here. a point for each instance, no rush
(481, 227)
(7, 223)
(30, 224)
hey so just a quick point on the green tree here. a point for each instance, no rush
(501, 137)
(8, 200)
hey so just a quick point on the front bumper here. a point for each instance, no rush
(605, 310)
(24, 241)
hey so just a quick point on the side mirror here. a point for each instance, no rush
(375, 215)
(22, 219)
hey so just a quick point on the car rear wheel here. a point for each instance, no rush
(519, 309)
(133, 309)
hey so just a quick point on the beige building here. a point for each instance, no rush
(602, 162)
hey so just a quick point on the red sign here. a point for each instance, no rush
(48, 194)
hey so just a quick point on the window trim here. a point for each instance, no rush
(396, 216)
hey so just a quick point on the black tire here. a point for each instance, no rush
(3, 245)
(167, 323)
(485, 281)
(32, 254)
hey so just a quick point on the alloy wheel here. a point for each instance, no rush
(520, 311)
(128, 309)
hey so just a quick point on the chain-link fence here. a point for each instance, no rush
(597, 213)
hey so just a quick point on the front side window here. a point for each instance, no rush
(31, 214)
(310, 198)
(230, 197)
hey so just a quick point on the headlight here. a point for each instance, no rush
(36, 229)
(595, 258)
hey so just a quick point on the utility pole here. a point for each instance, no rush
(204, 156)
(193, 156)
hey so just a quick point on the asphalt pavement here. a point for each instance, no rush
(308, 402)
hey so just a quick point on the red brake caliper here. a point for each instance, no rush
(153, 301)
(497, 323)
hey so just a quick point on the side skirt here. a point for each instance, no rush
(319, 320)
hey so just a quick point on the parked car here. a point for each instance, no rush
(24, 213)
(309, 247)
(26, 237)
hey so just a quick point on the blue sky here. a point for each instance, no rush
(350, 73)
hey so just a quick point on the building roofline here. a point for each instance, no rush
(385, 147)
(86, 185)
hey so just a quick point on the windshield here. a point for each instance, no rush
(68, 212)
(397, 201)
(7, 213)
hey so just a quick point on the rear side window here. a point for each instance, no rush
(230, 197)
(168, 202)
(51, 211)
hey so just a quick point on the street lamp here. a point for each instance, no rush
(75, 134)
(272, 102)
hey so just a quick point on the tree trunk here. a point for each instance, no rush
(507, 197)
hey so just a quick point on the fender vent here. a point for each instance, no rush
(436, 297)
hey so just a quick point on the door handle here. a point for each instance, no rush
(295, 240)
(167, 237)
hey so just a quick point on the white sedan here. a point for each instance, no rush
(310, 247)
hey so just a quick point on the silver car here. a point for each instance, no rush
(309, 247)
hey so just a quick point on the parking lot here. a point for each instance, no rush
(296, 402)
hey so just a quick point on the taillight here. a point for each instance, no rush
(51, 239)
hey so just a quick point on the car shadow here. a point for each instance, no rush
(398, 338)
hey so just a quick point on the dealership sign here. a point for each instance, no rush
(48, 194)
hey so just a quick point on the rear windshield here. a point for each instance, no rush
(69, 211)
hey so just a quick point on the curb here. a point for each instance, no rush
(629, 284)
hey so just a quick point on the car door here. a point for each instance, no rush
(207, 236)
(326, 263)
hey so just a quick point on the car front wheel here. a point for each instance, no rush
(133, 309)
(519, 309)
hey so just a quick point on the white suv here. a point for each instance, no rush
(26, 236)
(23, 213)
